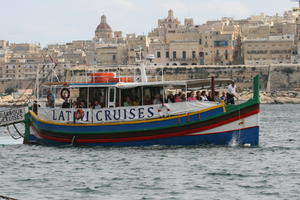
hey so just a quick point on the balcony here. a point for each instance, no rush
(184, 59)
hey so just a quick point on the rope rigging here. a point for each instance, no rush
(11, 135)
(20, 135)
(44, 78)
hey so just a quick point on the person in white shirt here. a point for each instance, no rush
(230, 93)
(203, 96)
(97, 105)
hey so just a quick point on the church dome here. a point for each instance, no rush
(103, 31)
(103, 26)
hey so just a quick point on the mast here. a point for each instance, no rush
(212, 85)
(142, 66)
(37, 83)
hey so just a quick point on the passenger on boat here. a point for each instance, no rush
(35, 107)
(66, 104)
(230, 93)
(78, 102)
(223, 97)
(157, 99)
(191, 96)
(170, 98)
(203, 96)
(198, 96)
(210, 97)
(135, 101)
(128, 102)
(147, 100)
(74, 104)
(97, 105)
(217, 97)
(83, 104)
(91, 105)
(178, 97)
(183, 97)
(50, 99)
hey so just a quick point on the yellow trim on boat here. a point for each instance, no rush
(224, 107)
(127, 122)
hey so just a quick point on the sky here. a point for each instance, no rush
(61, 21)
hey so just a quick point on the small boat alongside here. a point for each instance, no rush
(108, 110)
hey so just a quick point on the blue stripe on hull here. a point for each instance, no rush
(245, 136)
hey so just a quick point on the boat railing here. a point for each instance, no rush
(109, 79)
(134, 73)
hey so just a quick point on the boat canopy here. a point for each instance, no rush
(195, 83)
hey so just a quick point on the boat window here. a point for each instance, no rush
(139, 95)
(150, 93)
(131, 97)
(93, 94)
(111, 95)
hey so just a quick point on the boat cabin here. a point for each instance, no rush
(111, 95)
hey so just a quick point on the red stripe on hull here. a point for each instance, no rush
(240, 129)
(181, 133)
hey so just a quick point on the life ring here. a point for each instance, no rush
(79, 114)
(163, 107)
(65, 93)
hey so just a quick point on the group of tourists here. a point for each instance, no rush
(81, 104)
(228, 97)
(194, 96)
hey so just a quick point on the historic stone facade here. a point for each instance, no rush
(256, 40)
(272, 50)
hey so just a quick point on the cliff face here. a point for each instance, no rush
(284, 77)
(272, 77)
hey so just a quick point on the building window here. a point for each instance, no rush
(194, 54)
(167, 54)
(174, 54)
(184, 54)
(217, 52)
(226, 54)
(114, 57)
(158, 54)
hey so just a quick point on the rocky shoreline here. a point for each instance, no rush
(279, 97)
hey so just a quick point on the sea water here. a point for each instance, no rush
(270, 171)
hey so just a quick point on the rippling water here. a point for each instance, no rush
(270, 171)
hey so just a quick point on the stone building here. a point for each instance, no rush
(137, 48)
(271, 50)
(111, 54)
(173, 43)
(25, 48)
(4, 44)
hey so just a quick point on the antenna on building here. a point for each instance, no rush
(296, 1)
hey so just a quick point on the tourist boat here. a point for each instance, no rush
(142, 123)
